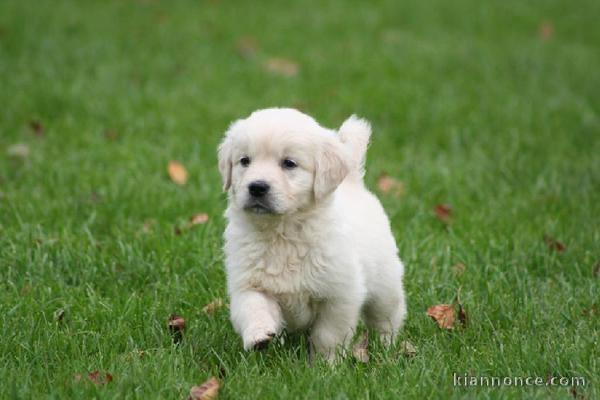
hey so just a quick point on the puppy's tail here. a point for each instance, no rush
(355, 133)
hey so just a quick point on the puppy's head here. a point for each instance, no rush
(280, 161)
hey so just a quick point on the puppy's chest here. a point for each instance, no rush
(286, 267)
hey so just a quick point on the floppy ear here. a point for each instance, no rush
(225, 162)
(225, 156)
(331, 168)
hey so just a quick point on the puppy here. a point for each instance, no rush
(307, 246)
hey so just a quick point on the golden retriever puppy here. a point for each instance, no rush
(307, 246)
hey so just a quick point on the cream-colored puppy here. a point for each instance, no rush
(307, 246)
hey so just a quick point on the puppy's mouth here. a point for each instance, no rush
(258, 207)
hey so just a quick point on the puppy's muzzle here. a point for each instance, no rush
(258, 201)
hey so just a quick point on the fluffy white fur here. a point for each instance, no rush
(316, 253)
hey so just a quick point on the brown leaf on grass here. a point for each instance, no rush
(408, 349)
(360, 350)
(111, 134)
(554, 244)
(94, 197)
(198, 219)
(597, 270)
(443, 314)
(209, 390)
(98, 378)
(591, 311)
(213, 306)
(26, 289)
(443, 212)
(577, 395)
(161, 17)
(176, 327)
(546, 30)
(147, 226)
(59, 315)
(282, 66)
(37, 128)
(462, 315)
(177, 172)
(246, 47)
(388, 185)
(458, 268)
(18, 150)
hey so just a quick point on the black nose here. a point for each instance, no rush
(258, 188)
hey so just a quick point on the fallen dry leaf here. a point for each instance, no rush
(246, 47)
(198, 219)
(408, 349)
(148, 225)
(282, 66)
(213, 306)
(458, 268)
(361, 349)
(546, 30)
(94, 197)
(111, 134)
(177, 172)
(443, 314)
(20, 150)
(59, 315)
(597, 269)
(577, 395)
(554, 244)
(462, 315)
(176, 327)
(98, 378)
(209, 390)
(443, 212)
(388, 185)
(591, 311)
(25, 290)
(37, 128)
(161, 17)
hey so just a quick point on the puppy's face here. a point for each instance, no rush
(280, 161)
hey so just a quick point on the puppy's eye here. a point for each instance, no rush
(288, 164)
(245, 161)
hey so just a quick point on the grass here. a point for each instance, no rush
(470, 104)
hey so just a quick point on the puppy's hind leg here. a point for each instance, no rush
(386, 312)
(256, 317)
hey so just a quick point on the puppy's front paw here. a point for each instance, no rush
(387, 338)
(257, 339)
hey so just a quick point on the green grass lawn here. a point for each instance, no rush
(491, 107)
